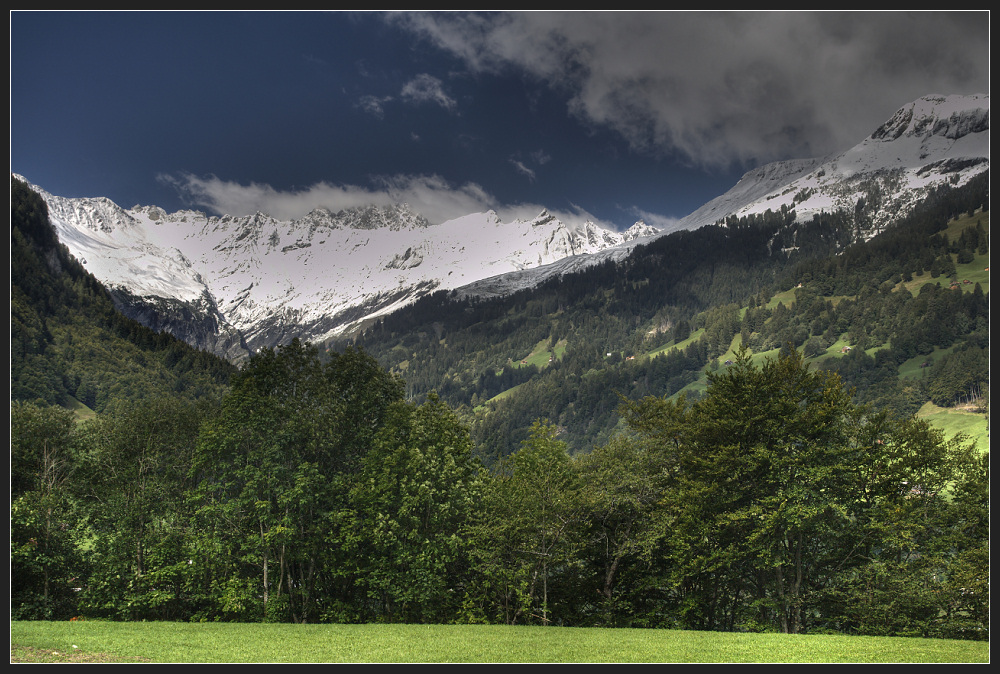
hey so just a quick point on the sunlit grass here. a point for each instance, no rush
(953, 421)
(786, 297)
(228, 642)
(81, 411)
(541, 353)
(958, 225)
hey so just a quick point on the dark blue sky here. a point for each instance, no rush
(611, 116)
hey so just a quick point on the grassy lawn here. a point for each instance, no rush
(954, 420)
(231, 642)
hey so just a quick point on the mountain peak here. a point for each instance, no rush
(931, 141)
(394, 217)
(543, 218)
(640, 230)
(949, 116)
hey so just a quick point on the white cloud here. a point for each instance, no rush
(434, 197)
(522, 169)
(541, 157)
(431, 196)
(374, 104)
(426, 88)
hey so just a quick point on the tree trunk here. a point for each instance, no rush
(797, 586)
(779, 583)
(264, 545)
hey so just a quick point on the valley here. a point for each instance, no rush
(776, 421)
(614, 349)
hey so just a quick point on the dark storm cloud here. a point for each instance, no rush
(715, 89)
(459, 112)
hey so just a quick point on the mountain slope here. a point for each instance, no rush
(69, 345)
(932, 141)
(236, 284)
(902, 317)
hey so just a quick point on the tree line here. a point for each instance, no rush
(315, 492)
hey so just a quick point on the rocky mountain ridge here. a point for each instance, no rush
(232, 285)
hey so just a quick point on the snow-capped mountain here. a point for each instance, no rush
(929, 142)
(235, 284)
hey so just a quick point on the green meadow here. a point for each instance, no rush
(96, 641)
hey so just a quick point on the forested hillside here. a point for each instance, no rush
(548, 458)
(571, 349)
(69, 345)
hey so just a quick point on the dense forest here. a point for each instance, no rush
(399, 477)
